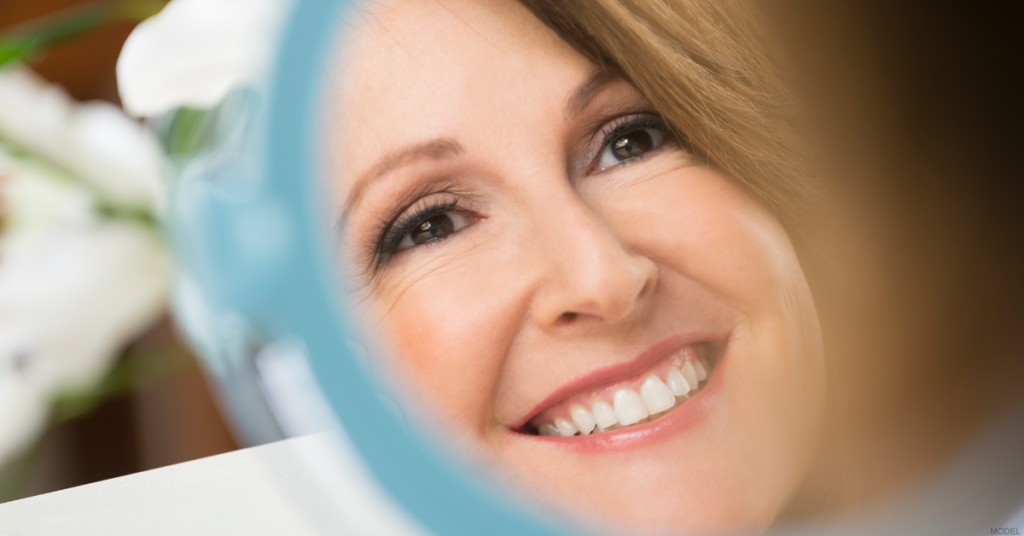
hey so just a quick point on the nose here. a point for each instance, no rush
(592, 278)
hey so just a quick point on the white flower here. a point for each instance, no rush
(22, 410)
(194, 52)
(75, 285)
(95, 140)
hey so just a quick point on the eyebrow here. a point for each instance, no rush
(585, 92)
(438, 148)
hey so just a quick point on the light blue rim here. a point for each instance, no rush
(281, 280)
(445, 498)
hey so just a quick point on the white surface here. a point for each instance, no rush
(298, 487)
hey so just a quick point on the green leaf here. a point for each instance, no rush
(20, 42)
(138, 215)
(191, 130)
(14, 49)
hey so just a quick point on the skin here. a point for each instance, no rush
(558, 270)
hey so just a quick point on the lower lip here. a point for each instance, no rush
(681, 418)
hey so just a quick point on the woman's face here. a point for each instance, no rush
(544, 259)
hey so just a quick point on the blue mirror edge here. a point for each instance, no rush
(443, 497)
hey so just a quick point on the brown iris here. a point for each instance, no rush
(632, 145)
(433, 228)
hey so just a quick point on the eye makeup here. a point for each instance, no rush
(400, 232)
(393, 236)
(617, 129)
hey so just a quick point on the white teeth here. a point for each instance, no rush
(604, 414)
(565, 427)
(629, 407)
(582, 419)
(690, 374)
(656, 396)
(702, 373)
(677, 383)
(704, 365)
(546, 429)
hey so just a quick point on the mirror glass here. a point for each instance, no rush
(669, 268)
(556, 280)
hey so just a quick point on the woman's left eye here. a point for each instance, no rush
(628, 146)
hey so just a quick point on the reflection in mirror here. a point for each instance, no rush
(590, 244)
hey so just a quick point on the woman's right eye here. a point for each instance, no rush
(430, 221)
(435, 227)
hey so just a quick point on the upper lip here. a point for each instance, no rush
(618, 371)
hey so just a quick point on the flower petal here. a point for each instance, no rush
(194, 52)
(22, 413)
(95, 141)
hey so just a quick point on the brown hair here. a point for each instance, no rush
(921, 111)
(708, 68)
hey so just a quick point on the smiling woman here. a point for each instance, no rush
(586, 273)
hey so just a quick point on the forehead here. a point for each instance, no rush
(408, 71)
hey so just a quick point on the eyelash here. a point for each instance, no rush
(396, 231)
(618, 127)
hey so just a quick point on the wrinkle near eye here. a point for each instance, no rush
(390, 289)
(668, 160)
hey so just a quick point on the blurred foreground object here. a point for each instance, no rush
(917, 109)
(83, 270)
(194, 52)
(197, 73)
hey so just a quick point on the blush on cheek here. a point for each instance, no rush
(451, 331)
(719, 236)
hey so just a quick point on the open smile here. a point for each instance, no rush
(630, 394)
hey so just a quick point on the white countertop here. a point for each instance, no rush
(303, 486)
(316, 485)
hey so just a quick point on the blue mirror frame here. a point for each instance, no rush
(266, 255)
(252, 240)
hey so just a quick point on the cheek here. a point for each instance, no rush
(694, 221)
(450, 327)
(700, 227)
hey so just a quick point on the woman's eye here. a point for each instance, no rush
(434, 228)
(629, 146)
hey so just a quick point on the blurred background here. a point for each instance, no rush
(920, 110)
(147, 405)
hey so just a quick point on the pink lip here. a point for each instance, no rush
(620, 371)
(682, 417)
